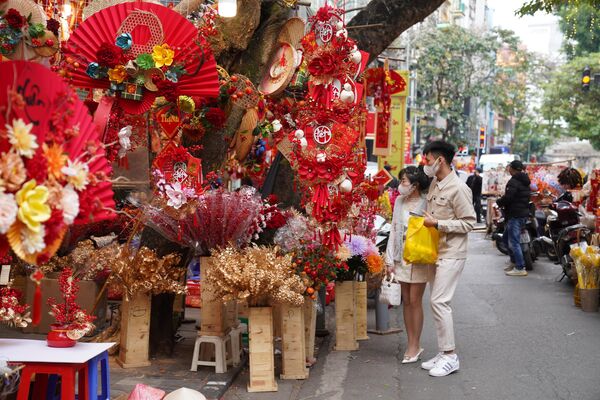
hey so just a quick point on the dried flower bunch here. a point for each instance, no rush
(68, 314)
(257, 274)
(142, 271)
(86, 261)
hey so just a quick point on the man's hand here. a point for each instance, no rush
(430, 221)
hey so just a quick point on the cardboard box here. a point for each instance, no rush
(88, 290)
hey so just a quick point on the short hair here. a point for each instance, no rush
(441, 148)
(415, 176)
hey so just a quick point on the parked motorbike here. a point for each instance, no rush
(383, 233)
(529, 235)
(563, 231)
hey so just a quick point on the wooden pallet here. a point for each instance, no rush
(360, 293)
(135, 332)
(293, 344)
(262, 361)
(345, 317)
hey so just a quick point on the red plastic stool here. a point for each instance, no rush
(43, 370)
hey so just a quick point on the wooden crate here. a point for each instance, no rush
(277, 321)
(345, 316)
(262, 360)
(213, 321)
(135, 332)
(360, 294)
(293, 344)
(310, 327)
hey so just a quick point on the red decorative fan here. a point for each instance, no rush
(49, 102)
(148, 24)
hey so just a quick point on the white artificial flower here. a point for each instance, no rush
(124, 140)
(19, 135)
(8, 211)
(33, 242)
(276, 125)
(70, 204)
(176, 195)
(77, 174)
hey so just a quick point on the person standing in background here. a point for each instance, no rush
(475, 182)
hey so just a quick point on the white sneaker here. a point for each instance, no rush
(446, 365)
(427, 365)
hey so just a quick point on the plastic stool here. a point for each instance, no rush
(44, 370)
(220, 362)
(101, 359)
(235, 342)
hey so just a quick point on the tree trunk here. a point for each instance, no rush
(396, 16)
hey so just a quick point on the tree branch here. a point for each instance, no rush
(395, 15)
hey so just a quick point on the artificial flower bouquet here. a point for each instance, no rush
(587, 264)
(43, 189)
(68, 315)
(362, 256)
(317, 265)
(256, 274)
(220, 218)
(11, 312)
(17, 29)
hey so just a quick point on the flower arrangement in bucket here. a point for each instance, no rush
(587, 264)
(317, 265)
(362, 257)
(72, 323)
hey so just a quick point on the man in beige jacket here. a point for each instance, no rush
(450, 210)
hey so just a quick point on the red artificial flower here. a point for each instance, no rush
(167, 89)
(14, 19)
(322, 65)
(216, 117)
(37, 167)
(54, 226)
(276, 221)
(324, 13)
(109, 55)
(272, 199)
(306, 171)
(53, 25)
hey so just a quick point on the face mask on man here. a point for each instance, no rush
(405, 190)
(432, 170)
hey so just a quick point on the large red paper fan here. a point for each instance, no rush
(180, 34)
(47, 96)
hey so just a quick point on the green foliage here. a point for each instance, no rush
(532, 6)
(455, 66)
(568, 109)
(581, 27)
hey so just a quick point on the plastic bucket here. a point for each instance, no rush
(590, 298)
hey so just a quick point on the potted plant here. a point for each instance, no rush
(72, 323)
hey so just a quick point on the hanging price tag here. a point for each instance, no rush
(5, 275)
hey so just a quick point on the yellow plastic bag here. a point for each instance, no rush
(421, 244)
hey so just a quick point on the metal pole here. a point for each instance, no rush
(382, 314)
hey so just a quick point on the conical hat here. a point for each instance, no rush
(292, 31)
(185, 394)
(280, 72)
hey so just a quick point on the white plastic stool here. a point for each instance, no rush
(235, 342)
(221, 360)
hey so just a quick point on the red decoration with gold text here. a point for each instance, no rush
(326, 151)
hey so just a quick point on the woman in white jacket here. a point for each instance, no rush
(413, 278)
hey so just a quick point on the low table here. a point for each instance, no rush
(40, 359)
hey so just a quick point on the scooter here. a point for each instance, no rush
(529, 234)
(563, 231)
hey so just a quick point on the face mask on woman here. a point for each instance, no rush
(405, 190)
